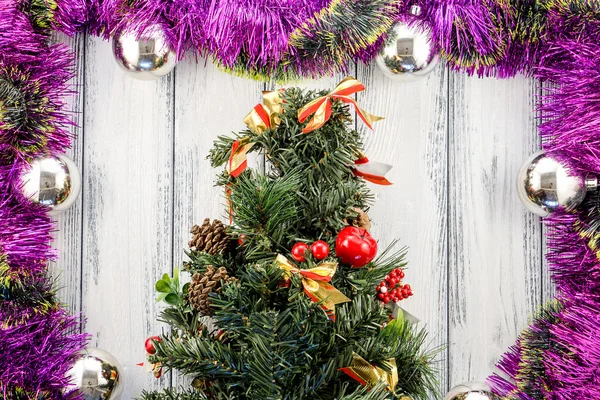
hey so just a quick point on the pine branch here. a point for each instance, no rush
(264, 210)
(199, 355)
(199, 260)
(171, 394)
(379, 392)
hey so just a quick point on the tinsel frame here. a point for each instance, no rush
(556, 41)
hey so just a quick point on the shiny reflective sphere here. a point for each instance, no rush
(52, 181)
(148, 57)
(410, 54)
(545, 185)
(97, 375)
(471, 391)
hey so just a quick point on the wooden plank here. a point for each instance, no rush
(69, 225)
(128, 233)
(413, 138)
(495, 244)
(208, 103)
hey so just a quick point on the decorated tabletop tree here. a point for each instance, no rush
(289, 301)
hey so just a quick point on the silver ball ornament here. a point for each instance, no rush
(147, 56)
(471, 391)
(52, 181)
(545, 185)
(97, 375)
(410, 54)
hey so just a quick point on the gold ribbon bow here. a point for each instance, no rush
(321, 107)
(369, 375)
(262, 117)
(316, 283)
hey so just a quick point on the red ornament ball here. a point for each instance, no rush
(241, 239)
(299, 251)
(319, 250)
(355, 247)
(150, 349)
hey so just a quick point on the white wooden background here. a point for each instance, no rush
(456, 142)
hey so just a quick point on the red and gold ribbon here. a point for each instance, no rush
(369, 375)
(316, 283)
(238, 159)
(262, 117)
(321, 107)
(265, 116)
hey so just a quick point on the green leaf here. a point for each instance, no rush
(175, 280)
(166, 278)
(163, 287)
(161, 297)
(172, 299)
(185, 288)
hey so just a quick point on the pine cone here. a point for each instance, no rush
(210, 238)
(362, 220)
(202, 285)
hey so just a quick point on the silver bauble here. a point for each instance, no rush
(97, 375)
(410, 54)
(471, 391)
(52, 181)
(147, 56)
(545, 185)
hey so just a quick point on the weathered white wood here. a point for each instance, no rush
(69, 224)
(208, 103)
(494, 247)
(128, 198)
(413, 138)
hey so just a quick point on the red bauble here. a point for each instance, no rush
(319, 250)
(241, 239)
(298, 251)
(355, 247)
(150, 349)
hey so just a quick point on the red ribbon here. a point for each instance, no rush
(372, 171)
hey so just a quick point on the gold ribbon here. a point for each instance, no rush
(262, 117)
(369, 375)
(321, 107)
(265, 116)
(316, 283)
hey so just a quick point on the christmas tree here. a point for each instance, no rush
(289, 301)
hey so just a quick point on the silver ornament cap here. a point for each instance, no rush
(52, 181)
(410, 54)
(97, 375)
(545, 185)
(471, 391)
(147, 56)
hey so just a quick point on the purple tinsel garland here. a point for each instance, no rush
(42, 340)
(38, 73)
(39, 341)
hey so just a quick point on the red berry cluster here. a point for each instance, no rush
(392, 289)
(319, 250)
